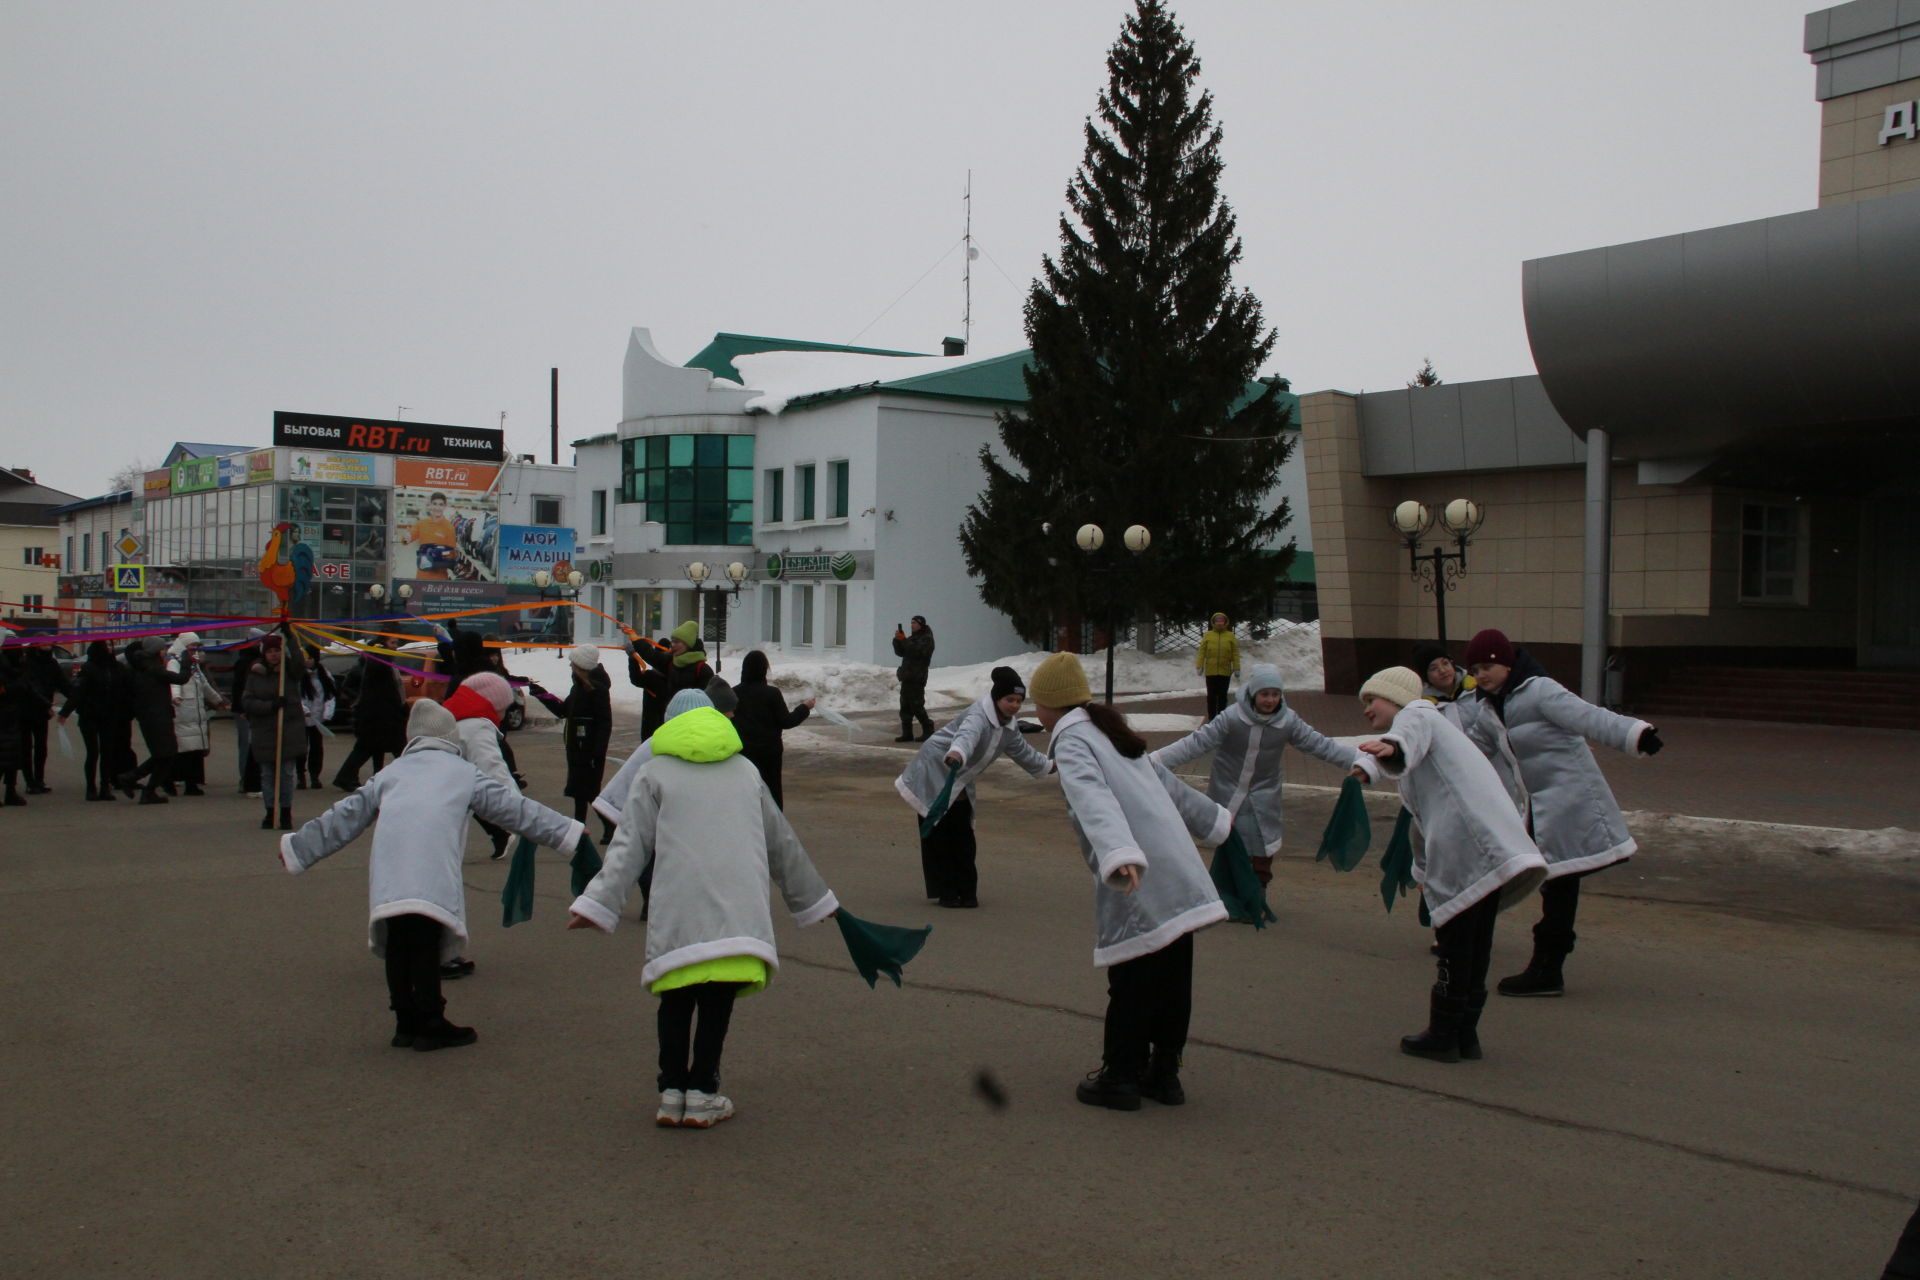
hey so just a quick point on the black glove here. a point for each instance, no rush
(1650, 743)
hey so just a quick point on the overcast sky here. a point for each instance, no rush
(215, 210)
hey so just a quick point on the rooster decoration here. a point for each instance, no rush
(286, 566)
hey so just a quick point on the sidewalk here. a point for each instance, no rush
(1806, 775)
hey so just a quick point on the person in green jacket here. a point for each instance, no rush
(1219, 661)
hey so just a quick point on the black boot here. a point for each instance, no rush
(433, 1031)
(345, 783)
(192, 789)
(15, 799)
(152, 796)
(1440, 1042)
(926, 728)
(1162, 1082)
(1470, 1026)
(1112, 1087)
(406, 1024)
(906, 729)
(286, 817)
(266, 822)
(1541, 977)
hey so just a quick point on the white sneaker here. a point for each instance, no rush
(673, 1106)
(705, 1110)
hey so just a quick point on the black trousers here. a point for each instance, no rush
(1149, 1003)
(913, 705)
(360, 755)
(947, 856)
(33, 737)
(714, 1001)
(96, 764)
(316, 754)
(1466, 948)
(190, 768)
(1559, 904)
(413, 965)
(1217, 698)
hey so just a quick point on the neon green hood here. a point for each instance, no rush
(700, 735)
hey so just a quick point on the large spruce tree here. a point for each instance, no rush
(1142, 402)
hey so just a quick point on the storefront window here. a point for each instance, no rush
(1771, 535)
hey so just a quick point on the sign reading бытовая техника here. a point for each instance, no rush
(374, 435)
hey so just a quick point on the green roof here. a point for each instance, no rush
(717, 356)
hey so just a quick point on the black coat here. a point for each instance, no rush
(152, 697)
(20, 704)
(588, 712)
(379, 709)
(761, 718)
(661, 679)
(916, 655)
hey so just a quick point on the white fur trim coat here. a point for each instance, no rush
(979, 738)
(422, 800)
(1474, 840)
(192, 704)
(1248, 750)
(613, 797)
(717, 842)
(1576, 821)
(1135, 813)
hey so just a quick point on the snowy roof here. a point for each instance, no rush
(782, 377)
(191, 449)
(718, 356)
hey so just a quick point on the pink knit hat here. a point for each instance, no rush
(495, 689)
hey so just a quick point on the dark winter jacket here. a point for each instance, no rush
(916, 654)
(44, 674)
(152, 696)
(588, 712)
(661, 679)
(20, 704)
(264, 701)
(101, 691)
(465, 656)
(379, 709)
(762, 715)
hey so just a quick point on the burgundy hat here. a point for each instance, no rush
(1490, 646)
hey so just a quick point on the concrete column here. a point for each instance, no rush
(1597, 566)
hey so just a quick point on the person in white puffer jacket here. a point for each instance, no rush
(417, 909)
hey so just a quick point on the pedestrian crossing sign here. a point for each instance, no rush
(130, 577)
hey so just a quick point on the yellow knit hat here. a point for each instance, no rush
(1398, 685)
(1059, 682)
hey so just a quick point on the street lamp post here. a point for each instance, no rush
(1437, 570)
(698, 573)
(1090, 538)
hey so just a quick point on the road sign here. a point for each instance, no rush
(129, 546)
(129, 577)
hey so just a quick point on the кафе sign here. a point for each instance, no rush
(374, 435)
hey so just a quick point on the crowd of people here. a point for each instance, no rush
(1492, 760)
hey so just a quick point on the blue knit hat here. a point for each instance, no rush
(686, 700)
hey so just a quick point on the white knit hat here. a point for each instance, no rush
(1398, 685)
(584, 656)
(429, 719)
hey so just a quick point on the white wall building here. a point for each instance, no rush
(838, 477)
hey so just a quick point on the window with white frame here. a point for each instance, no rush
(803, 611)
(547, 509)
(803, 492)
(837, 616)
(599, 513)
(838, 483)
(33, 602)
(32, 555)
(1773, 559)
(770, 614)
(773, 501)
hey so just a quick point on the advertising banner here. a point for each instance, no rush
(192, 475)
(375, 435)
(527, 549)
(234, 470)
(841, 566)
(304, 467)
(157, 484)
(260, 466)
(446, 522)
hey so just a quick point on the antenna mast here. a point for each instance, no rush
(966, 319)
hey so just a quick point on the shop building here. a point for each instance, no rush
(836, 477)
(380, 515)
(1714, 469)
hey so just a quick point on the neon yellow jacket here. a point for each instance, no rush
(1219, 654)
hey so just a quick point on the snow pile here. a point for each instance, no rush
(780, 376)
(849, 686)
